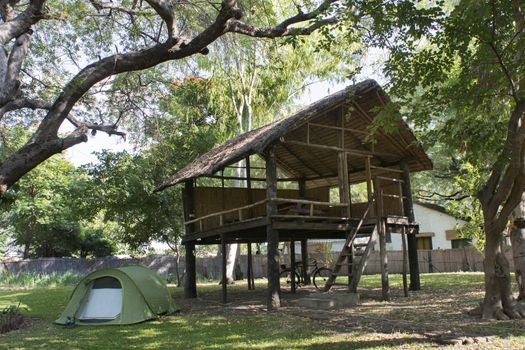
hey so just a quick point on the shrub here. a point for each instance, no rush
(11, 318)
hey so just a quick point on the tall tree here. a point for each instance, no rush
(36, 36)
(458, 69)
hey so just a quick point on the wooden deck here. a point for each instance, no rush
(290, 228)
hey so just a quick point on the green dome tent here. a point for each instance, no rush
(123, 295)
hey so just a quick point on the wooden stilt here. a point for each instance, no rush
(250, 268)
(190, 280)
(350, 267)
(190, 285)
(272, 235)
(224, 278)
(404, 243)
(292, 265)
(382, 241)
(304, 261)
(408, 208)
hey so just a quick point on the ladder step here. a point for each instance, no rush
(363, 235)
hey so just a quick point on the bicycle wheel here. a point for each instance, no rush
(321, 276)
(285, 278)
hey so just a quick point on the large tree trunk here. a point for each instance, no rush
(499, 302)
(517, 238)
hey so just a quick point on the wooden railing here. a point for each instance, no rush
(239, 217)
(306, 209)
(221, 214)
(311, 205)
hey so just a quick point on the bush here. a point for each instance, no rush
(10, 318)
(31, 280)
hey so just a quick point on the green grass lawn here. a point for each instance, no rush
(243, 324)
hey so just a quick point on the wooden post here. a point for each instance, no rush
(249, 186)
(368, 172)
(292, 264)
(342, 167)
(350, 267)
(344, 193)
(304, 261)
(224, 278)
(272, 235)
(190, 280)
(251, 285)
(404, 243)
(408, 208)
(190, 285)
(382, 240)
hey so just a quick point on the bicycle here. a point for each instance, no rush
(318, 275)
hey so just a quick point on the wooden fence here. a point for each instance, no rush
(448, 260)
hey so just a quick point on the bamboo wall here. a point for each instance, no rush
(209, 200)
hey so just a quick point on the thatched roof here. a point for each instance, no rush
(367, 93)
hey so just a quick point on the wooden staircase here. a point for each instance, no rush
(356, 250)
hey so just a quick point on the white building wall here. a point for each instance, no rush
(430, 220)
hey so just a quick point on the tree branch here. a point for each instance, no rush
(24, 103)
(504, 172)
(165, 11)
(239, 27)
(108, 129)
(14, 64)
(21, 23)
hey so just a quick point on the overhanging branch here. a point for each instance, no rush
(84, 127)
(283, 28)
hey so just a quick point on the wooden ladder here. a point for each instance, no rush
(354, 249)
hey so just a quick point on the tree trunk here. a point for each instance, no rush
(499, 302)
(26, 250)
(231, 254)
(517, 238)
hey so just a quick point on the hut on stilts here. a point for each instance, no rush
(332, 143)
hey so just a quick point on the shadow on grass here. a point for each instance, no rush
(243, 323)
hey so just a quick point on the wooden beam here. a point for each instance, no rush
(364, 132)
(301, 160)
(408, 209)
(339, 149)
(386, 169)
(256, 179)
(392, 140)
(272, 235)
(310, 226)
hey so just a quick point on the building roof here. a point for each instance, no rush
(361, 100)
